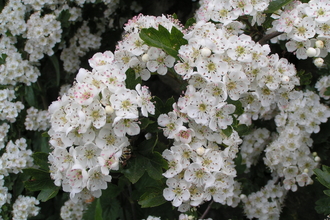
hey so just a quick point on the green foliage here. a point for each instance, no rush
(131, 79)
(323, 176)
(154, 164)
(152, 197)
(322, 206)
(305, 77)
(170, 42)
(190, 22)
(276, 5)
(40, 181)
(56, 65)
(3, 58)
(64, 18)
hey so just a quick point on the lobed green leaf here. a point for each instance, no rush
(151, 198)
(276, 5)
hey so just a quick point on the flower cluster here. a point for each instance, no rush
(72, 211)
(80, 44)
(36, 120)
(253, 145)
(9, 110)
(25, 207)
(16, 157)
(289, 153)
(306, 28)
(266, 203)
(15, 69)
(321, 85)
(219, 66)
(226, 11)
(91, 122)
(44, 31)
(5, 195)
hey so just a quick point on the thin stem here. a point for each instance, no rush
(267, 37)
(131, 201)
(207, 210)
(43, 98)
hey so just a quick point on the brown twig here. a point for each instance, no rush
(267, 37)
(207, 210)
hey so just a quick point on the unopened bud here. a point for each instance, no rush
(306, 170)
(314, 154)
(145, 58)
(319, 44)
(200, 151)
(148, 136)
(205, 52)
(109, 110)
(311, 52)
(318, 62)
(317, 159)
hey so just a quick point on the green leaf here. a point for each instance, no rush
(190, 22)
(163, 39)
(276, 5)
(155, 166)
(177, 39)
(30, 96)
(228, 131)
(131, 80)
(48, 193)
(136, 168)
(240, 168)
(322, 206)
(40, 179)
(41, 159)
(98, 210)
(242, 129)
(64, 17)
(56, 65)
(169, 104)
(323, 176)
(151, 198)
(239, 108)
(327, 92)
(3, 58)
(94, 211)
(144, 122)
(147, 146)
(305, 78)
(327, 192)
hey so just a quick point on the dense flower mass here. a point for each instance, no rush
(95, 116)
(240, 105)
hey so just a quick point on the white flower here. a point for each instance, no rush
(87, 155)
(159, 61)
(199, 175)
(236, 84)
(212, 68)
(146, 104)
(109, 160)
(221, 116)
(200, 107)
(121, 127)
(99, 61)
(171, 122)
(126, 102)
(177, 191)
(96, 179)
